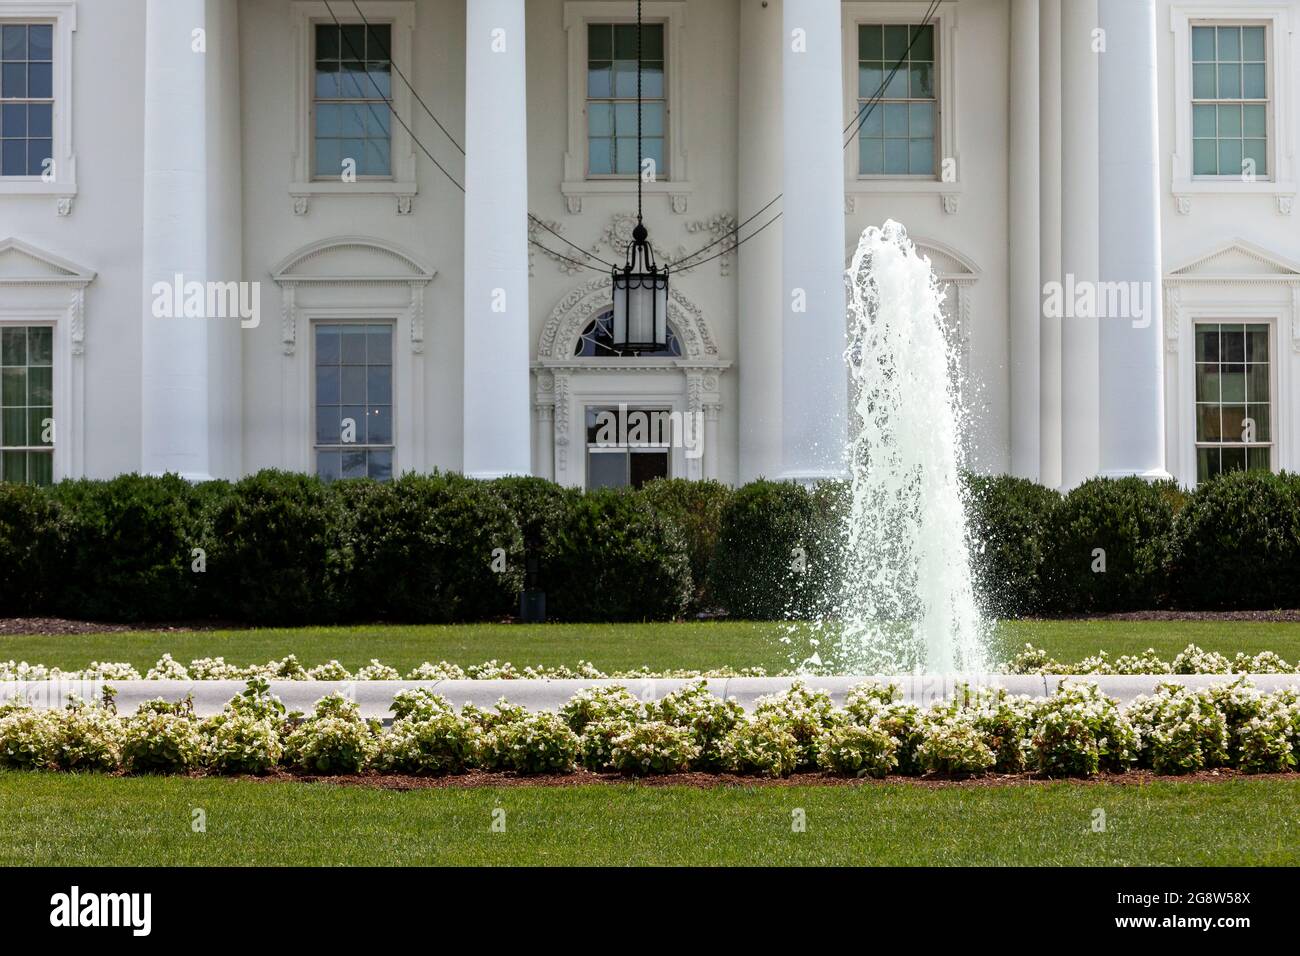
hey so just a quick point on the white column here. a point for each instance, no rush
(1049, 129)
(1132, 362)
(1080, 206)
(174, 434)
(758, 180)
(496, 390)
(1024, 235)
(814, 380)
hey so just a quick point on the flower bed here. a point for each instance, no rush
(1031, 660)
(1078, 731)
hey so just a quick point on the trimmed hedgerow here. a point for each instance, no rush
(777, 552)
(1106, 544)
(695, 507)
(1236, 544)
(1008, 526)
(434, 548)
(31, 539)
(615, 559)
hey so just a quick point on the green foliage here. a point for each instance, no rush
(428, 743)
(1236, 544)
(653, 746)
(695, 508)
(763, 746)
(536, 743)
(160, 738)
(1008, 525)
(860, 751)
(31, 542)
(29, 739)
(128, 548)
(615, 559)
(434, 548)
(1179, 731)
(1081, 731)
(1124, 521)
(276, 556)
(708, 718)
(778, 551)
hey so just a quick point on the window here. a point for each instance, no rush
(354, 400)
(611, 98)
(627, 447)
(897, 137)
(597, 341)
(353, 84)
(27, 404)
(26, 98)
(1230, 100)
(1233, 398)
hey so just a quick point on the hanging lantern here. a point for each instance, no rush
(640, 299)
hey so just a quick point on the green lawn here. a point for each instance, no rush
(59, 819)
(610, 647)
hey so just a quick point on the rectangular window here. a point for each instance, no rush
(354, 400)
(611, 98)
(896, 68)
(1234, 421)
(27, 404)
(1230, 100)
(627, 447)
(353, 86)
(26, 98)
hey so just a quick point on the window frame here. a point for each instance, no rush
(1243, 101)
(1280, 179)
(62, 16)
(375, 103)
(1272, 444)
(402, 185)
(51, 449)
(578, 183)
(947, 132)
(937, 128)
(392, 445)
(626, 451)
(615, 100)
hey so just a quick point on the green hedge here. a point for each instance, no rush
(285, 549)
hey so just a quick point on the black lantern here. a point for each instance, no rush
(640, 287)
(640, 299)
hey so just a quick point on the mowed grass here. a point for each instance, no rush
(695, 645)
(59, 819)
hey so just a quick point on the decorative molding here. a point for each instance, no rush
(679, 202)
(381, 263)
(1295, 318)
(951, 202)
(722, 229)
(301, 204)
(1184, 203)
(63, 206)
(1236, 261)
(405, 202)
(1173, 318)
(616, 235)
(582, 304)
(77, 320)
(573, 204)
(1285, 204)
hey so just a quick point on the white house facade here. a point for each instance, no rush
(364, 238)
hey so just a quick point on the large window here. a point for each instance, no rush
(597, 341)
(353, 83)
(26, 98)
(27, 430)
(896, 64)
(627, 447)
(1234, 421)
(611, 98)
(354, 400)
(1230, 100)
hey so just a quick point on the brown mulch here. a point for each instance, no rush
(482, 779)
(60, 627)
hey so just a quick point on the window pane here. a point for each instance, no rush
(870, 76)
(352, 418)
(353, 385)
(40, 468)
(40, 120)
(1234, 459)
(1257, 383)
(1232, 382)
(39, 153)
(600, 79)
(13, 427)
(647, 466)
(652, 119)
(1232, 339)
(40, 386)
(379, 345)
(13, 346)
(922, 80)
(1203, 81)
(896, 156)
(1207, 382)
(40, 80)
(13, 80)
(327, 41)
(1202, 43)
(327, 386)
(1207, 423)
(1253, 82)
(1204, 122)
(921, 157)
(1256, 343)
(1207, 343)
(13, 387)
(652, 80)
(13, 119)
(652, 41)
(1230, 121)
(1207, 463)
(1259, 459)
(1229, 157)
(600, 42)
(329, 430)
(625, 156)
(1256, 150)
(871, 157)
(15, 466)
(625, 41)
(896, 82)
(38, 425)
(14, 44)
(1254, 121)
(1229, 43)
(1259, 414)
(40, 345)
(896, 42)
(1229, 81)
(329, 465)
(625, 78)
(923, 42)
(379, 425)
(896, 119)
(354, 464)
(381, 465)
(327, 345)
(607, 469)
(600, 157)
(379, 385)
(870, 42)
(922, 119)
(352, 339)
(377, 161)
(1252, 43)
(600, 119)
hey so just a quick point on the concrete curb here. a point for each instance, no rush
(376, 697)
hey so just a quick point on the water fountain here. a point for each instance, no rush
(908, 603)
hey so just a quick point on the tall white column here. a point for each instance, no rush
(174, 434)
(1049, 129)
(497, 413)
(1080, 237)
(758, 181)
(814, 381)
(1132, 363)
(1024, 202)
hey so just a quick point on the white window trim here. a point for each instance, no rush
(1270, 319)
(384, 317)
(55, 296)
(945, 31)
(1281, 183)
(299, 294)
(676, 185)
(402, 185)
(63, 14)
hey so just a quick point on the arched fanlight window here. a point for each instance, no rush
(597, 341)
